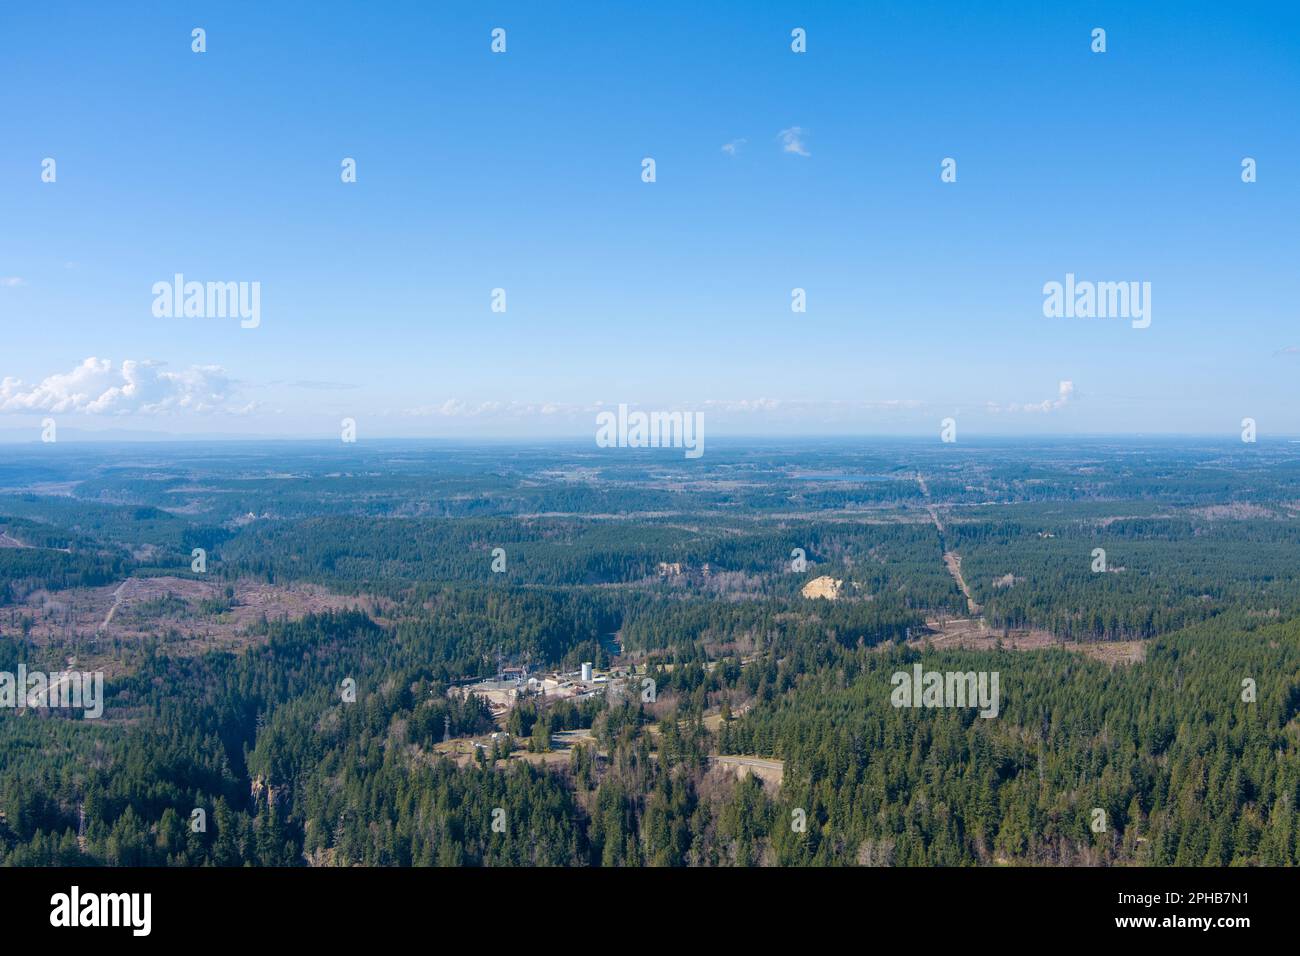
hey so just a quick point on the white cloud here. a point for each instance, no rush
(1064, 393)
(813, 406)
(462, 409)
(792, 140)
(96, 387)
(10, 282)
(459, 408)
(731, 148)
(322, 386)
(744, 405)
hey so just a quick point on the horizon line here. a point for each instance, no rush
(147, 438)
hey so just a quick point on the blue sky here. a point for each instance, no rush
(522, 171)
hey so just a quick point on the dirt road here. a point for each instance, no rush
(766, 770)
(951, 559)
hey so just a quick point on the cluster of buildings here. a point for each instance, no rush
(512, 684)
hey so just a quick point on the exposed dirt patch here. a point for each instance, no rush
(769, 772)
(973, 634)
(1113, 652)
(463, 750)
(823, 587)
(189, 615)
(1111, 519)
(1234, 512)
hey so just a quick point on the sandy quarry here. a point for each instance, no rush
(823, 587)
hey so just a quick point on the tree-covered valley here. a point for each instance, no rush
(375, 654)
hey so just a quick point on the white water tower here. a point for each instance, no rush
(586, 672)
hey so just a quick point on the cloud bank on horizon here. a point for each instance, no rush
(150, 390)
(98, 387)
